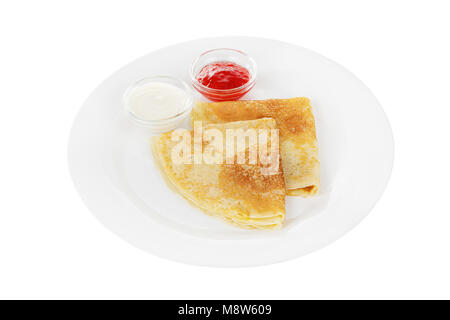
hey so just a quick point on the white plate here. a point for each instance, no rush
(113, 170)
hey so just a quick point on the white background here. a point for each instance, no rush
(54, 53)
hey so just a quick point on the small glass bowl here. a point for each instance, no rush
(223, 54)
(162, 124)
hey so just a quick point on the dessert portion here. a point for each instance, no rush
(242, 157)
(298, 142)
(243, 194)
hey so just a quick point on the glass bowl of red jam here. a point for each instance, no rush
(223, 74)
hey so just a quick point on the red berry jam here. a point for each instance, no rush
(223, 75)
(226, 76)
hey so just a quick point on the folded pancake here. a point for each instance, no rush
(298, 142)
(242, 194)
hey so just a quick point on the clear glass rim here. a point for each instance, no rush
(198, 85)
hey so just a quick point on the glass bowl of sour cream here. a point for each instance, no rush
(159, 103)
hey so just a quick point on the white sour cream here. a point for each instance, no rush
(156, 101)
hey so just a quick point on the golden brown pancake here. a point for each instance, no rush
(238, 193)
(298, 142)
